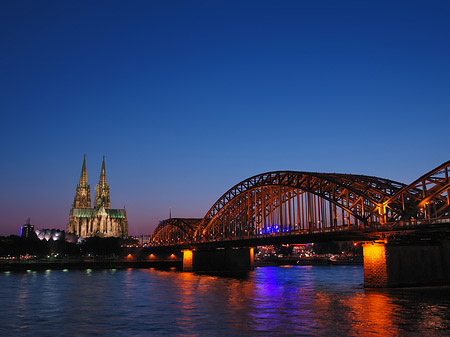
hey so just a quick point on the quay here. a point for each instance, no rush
(89, 264)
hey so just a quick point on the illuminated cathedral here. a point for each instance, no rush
(101, 220)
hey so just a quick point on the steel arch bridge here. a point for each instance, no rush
(292, 202)
(174, 231)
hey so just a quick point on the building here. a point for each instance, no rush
(101, 220)
(27, 230)
(142, 239)
(50, 234)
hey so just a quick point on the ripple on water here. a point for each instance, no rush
(299, 300)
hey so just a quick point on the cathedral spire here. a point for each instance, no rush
(102, 197)
(83, 177)
(102, 181)
(83, 193)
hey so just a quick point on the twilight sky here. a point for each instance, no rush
(187, 98)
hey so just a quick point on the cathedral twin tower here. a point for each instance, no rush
(101, 220)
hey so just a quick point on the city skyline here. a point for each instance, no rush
(187, 100)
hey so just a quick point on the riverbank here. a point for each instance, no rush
(88, 264)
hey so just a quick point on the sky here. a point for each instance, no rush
(185, 99)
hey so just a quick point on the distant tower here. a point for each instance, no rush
(27, 230)
(83, 193)
(102, 196)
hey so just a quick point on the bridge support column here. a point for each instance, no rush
(218, 260)
(406, 263)
(187, 260)
(375, 268)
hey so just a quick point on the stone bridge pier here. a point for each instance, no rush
(218, 260)
(406, 262)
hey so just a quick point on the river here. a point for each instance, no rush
(270, 301)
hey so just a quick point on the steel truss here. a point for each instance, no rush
(174, 231)
(426, 198)
(286, 201)
(283, 202)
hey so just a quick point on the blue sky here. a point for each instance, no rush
(187, 98)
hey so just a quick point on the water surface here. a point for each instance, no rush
(271, 301)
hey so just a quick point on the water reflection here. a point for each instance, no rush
(372, 313)
(277, 307)
(271, 301)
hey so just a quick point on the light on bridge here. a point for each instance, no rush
(187, 260)
(375, 272)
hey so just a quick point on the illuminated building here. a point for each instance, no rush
(101, 220)
(50, 234)
(27, 230)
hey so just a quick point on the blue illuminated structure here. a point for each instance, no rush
(27, 230)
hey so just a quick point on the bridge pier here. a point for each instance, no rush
(219, 260)
(403, 263)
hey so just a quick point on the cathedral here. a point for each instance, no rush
(101, 220)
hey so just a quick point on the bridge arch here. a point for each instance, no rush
(308, 201)
(174, 231)
(428, 197)
(291, 201)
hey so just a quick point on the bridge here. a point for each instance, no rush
(301, 207)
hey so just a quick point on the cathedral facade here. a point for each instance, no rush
(101, 220)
